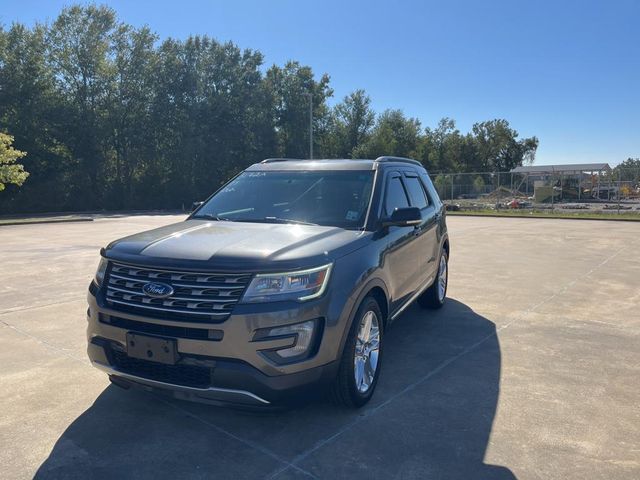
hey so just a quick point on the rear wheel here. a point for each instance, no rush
(436, 294)
(360, 363)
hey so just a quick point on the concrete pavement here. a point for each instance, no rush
(530, 371)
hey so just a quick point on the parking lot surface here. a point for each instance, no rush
(530, 371)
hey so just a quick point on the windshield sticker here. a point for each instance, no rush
(352, 215)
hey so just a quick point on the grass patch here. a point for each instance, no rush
(35, 220)
(627, 216)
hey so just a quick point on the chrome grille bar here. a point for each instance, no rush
(198, 298)
(176, 284)
(200, 295)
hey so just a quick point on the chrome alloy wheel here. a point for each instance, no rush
(442, 278)
(365, 361)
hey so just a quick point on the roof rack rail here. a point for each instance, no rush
(272, 160)
(398, 159)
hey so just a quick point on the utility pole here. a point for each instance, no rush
(310, 125)
(553, 191)
(619, 191)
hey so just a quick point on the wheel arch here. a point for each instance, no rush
(377, 289)
(381, 297)
(446, 247)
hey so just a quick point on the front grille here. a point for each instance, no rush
(163, 330)
(185, 375)
(196, 297)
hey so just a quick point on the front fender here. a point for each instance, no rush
(350, 310)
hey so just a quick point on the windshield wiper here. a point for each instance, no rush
(287, 220)
(220, 218)
(211, 216)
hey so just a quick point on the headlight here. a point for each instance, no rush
(301, 285)
(102, 270)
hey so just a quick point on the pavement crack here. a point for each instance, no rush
(44, 343)
(249, 443)
(32, 307)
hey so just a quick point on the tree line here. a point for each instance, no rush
(113, 117)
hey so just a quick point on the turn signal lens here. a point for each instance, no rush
(101, 271)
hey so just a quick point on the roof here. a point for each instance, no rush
(328, 164)
(570, 168)
(295, 164)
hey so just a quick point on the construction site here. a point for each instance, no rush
(590, 187)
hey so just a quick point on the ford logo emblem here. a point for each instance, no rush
(157, 290)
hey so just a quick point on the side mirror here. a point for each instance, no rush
(196, 205)
(404, 217)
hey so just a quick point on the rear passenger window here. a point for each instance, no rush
(395, 197)
(416, 192)
(432, 193)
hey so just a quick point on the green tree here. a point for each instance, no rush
(290, 87)
(129, 133)
(442, 147)
(10, 171)
(212, 113)
(30, 110)
(627, 171)
(393, 134)
(498, 147)
(353, 119)
(80, 44)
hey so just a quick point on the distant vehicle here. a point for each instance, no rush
(287, 277)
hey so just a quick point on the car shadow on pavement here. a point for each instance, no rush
(431, 417)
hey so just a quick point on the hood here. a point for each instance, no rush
(236, 245)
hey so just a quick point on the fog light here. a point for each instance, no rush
(302, 335)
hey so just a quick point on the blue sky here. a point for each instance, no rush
(565, 71)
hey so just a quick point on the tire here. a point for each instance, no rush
(347, 390)
(435, 296)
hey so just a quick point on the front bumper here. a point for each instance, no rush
(226, 368)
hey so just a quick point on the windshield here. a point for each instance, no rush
(331, 198)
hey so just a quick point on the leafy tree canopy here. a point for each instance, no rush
(10, 171)
(629, 170)
(114, 117)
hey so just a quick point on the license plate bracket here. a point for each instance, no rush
(153, 349)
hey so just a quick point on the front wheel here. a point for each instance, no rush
(361, 358)
(436, 294)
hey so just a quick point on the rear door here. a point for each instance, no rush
(424, 248)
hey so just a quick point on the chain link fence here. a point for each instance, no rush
(617, 189)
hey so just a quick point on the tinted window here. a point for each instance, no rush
(395, 196)
(418, 198)
(332, 198)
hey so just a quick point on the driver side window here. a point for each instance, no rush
(395, 195)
